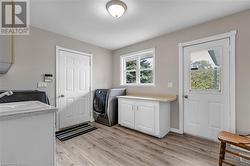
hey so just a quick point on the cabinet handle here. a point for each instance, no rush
(135, 107)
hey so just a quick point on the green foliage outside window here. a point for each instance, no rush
(131, 65)
(146, 63)
(146, 76)
(131, 77)
(204, 76)
(146, 71)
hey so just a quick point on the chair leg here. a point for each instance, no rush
(222, 153)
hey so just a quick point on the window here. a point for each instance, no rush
(205, 70)
(138, 68)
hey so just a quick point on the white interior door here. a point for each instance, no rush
(206, 89)
(73, 87)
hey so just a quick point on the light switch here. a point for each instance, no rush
(170, 84)
(42, 85)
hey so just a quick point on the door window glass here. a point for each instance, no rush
(205, 70)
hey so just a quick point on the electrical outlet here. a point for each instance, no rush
(42, 85)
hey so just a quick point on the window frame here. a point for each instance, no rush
(136, 56)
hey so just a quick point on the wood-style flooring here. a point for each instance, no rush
(118, 146)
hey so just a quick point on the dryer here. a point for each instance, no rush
(105, 105)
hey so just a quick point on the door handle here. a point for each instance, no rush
(185, 96)
(61, 96)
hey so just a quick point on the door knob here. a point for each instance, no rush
(185, 96)
(61, 96)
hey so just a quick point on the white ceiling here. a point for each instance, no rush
(88, 20)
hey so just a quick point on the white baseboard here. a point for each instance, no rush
(174, 130)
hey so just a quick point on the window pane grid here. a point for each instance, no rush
(146, 69)
(139, 69)
(129, 70)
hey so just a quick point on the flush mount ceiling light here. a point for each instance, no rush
(116, 8)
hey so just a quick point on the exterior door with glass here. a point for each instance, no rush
(206, 89)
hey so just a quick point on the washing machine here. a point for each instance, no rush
(105, 105)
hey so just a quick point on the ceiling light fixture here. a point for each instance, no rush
(116, 8)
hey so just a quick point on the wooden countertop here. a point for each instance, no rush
(160, 98)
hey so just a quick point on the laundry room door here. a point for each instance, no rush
(73, 87)
(206, 89)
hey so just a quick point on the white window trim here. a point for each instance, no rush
(136, 55)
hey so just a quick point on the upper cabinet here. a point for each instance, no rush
(6, 53)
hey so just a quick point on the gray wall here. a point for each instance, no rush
(167, 62)
(35, 55)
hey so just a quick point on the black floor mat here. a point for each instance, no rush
(74, 131)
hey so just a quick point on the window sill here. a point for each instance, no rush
(139, 85)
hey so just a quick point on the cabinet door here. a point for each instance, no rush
(126, 113)
(145, 117)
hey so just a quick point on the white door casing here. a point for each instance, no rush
(205, 112)
(73, 87)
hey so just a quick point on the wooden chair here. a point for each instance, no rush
(232, 139)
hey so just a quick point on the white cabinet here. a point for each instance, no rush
(148, 116)
(127, 117)
(145, 117)
(27, 134)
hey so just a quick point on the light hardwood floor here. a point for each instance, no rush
(119, 146)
